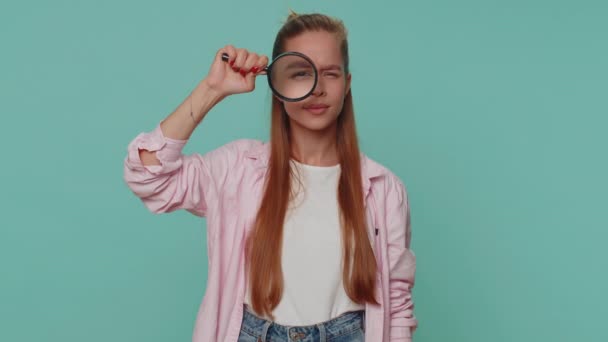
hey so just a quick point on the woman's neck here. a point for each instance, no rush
(314, 147)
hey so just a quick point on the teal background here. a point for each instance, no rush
(493, 113)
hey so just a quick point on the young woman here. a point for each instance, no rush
(308, 238)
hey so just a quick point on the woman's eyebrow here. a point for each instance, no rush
(299, 64)
(331, 67)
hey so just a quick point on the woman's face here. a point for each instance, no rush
(320, 110)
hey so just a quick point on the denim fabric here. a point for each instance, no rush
(348, 327)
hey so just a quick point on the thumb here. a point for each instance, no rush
(250, 79)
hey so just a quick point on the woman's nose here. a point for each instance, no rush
(319, 89)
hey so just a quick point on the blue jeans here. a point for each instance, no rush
(349, 326)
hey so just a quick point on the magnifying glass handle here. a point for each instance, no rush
(226, 58)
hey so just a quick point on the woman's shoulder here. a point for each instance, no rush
(243, 144)
(239, 147)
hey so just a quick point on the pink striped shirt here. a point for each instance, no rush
(225, 186)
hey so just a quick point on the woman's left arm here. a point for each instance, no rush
(402, 262)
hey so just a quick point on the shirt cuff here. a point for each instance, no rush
(168, 150)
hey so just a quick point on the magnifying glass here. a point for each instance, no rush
(292, 76)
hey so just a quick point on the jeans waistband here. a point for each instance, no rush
(343, 324)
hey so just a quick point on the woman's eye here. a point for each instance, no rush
(301, 74)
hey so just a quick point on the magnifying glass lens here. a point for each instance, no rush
(292, 76)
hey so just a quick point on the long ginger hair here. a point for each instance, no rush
(263, 246)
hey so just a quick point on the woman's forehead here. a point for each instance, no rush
(322, 47)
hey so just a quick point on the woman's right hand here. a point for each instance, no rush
(237, 75)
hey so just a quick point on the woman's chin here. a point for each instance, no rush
(317, 126)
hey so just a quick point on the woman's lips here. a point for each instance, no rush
(317, 109)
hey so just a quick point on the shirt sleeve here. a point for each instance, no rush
(181, 181)
(402, 263)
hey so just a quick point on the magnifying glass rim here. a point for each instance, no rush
(269, 76)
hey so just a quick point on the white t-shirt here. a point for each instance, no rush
(311, 259)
